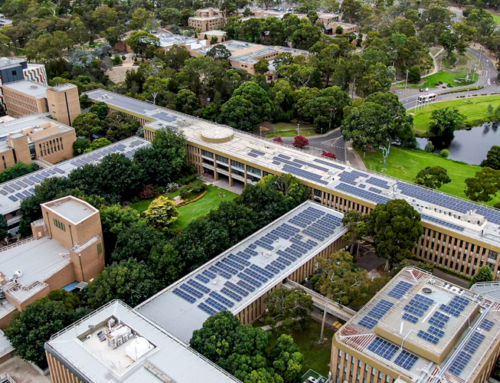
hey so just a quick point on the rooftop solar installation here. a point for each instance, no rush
(244, 272)
(436, 208)
(13, 192)
(400, 289)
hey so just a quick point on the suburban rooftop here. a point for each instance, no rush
(245, 272)
(439, 209)
(116, 344)
(424, 328)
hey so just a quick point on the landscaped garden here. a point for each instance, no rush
(476, 111)
(202, 203)
(450, 78)
(406, 163)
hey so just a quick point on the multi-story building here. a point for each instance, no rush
(458, 234)
(337, 26)
(35, 137)
(117, 344)
(419, 328)
(207, 19)
(66, 246)
(213, 34)
(16, 69)
(324, 18)
(245, 55)
(239, 279)
(13, 192)
(26, 97)
(167, 40)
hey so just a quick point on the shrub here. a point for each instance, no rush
(184, 193)
(148, 192)
(117, 60)
(300, 141)
(429, 147)
(328, 154)
(444, 153)
(278, 139)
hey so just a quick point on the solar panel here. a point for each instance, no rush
(383, 348)
(400, 289)
(406, 360)
(459, 363)
(191, 291)
(486, 324)
(362, 193)
(230, 294)
(428, 337)
(216, 305)
(199, 286)
(410, 318)
(439, 319)
(435, 331)
(380, 309)
(368, 322)
(207, 309)
(474, 342)
(184, 295)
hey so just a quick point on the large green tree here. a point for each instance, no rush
(395, 228)
(443, 124)
(17, 170)
(484, 274)
(433, 177)
(287, 308)
(484, 185)
(492, 158)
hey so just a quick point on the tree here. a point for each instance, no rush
(187, 101)
(433, 177)
(220, 52)
(356, 228)
(140, 18)
(287, 308)
(88, 125)
(3, 228)
(17, 170)
(484, 185)
(414, 74)
(261, 66)
(99, 143)
(130, 280)
(484, 274)
(116, 220)
(300, 141)
(161, 213)
(287, 360)
(114, 34)
(492, 158)
(120, 126)
(100, 109)
(135, 241)
(395, 228)
(340, 280)
(143, 43)
(80, 146)
(443, 124)
(155, 86)
(36, 323)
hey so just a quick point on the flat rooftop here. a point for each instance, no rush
(439, 209)
(245, 272)
(28, 87)
(13, 192)
(28, 264)
(424, 328)
(30, 124)
(146, 353)
(72, 209)
(168, 40)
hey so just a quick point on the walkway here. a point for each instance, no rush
(322, 302)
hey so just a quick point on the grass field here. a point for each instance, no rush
(196, 209)
(316, 356)
(289, 129)
(496, 17)
(451, 78)
(475, 110)
(406, 163)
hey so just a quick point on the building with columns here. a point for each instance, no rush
(459, 235)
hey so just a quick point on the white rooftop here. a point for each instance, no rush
(32, 121)
(168, 40)
(13, 192)
(72, 209)
(488, 289)
(26, 265)
(243, 273)
(451, 213)
(5, 346)
(28, 87)
(424, 328)
(150, 354)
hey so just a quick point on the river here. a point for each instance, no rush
(471, 145)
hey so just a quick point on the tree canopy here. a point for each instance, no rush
(433, 177)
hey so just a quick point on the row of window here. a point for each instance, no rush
(59, 224)
(51, 146)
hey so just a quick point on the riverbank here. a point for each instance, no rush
(476, 111)
(406, 163)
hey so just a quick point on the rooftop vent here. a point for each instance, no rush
(426, 290)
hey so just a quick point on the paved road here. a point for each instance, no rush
(330, 142)
(487, 79)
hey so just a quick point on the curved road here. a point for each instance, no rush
(332, 141)
(487, 79)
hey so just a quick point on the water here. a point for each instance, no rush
(472, 145)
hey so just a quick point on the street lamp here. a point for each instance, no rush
(298, 128)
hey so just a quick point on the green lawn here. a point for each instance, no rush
(475, 109)
(496, 17)
(451, 78)
(196, 209)
(289, 129)
(316, 356)
(406, 163)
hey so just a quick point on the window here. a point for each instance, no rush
(99, 248)
(59, 224)
(493, 255)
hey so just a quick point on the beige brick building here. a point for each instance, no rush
(35, 137)
(207, 19)
(419, 328)
(25, 97)
(66, 246)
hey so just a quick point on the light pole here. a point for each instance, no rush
(406, 81)
(298, 128)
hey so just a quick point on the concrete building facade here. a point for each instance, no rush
(66, 246)
(459, 235)
(419, 328)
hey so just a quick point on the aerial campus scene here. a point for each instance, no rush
(250, 191)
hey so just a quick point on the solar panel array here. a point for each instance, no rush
(455, 306)
(442, 222)
(241, 276)
(406, 359)
(20, 188)
(370, 196)
(371, 319)
(383, 348)
(486, 324)
(400, 289)
(439, 319)
(418, 305)
(465, 355)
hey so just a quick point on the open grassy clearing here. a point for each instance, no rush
(496, 17)
(406, 163)
(450, 78)
(289, 129)
(194, 210)
(475, 109)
